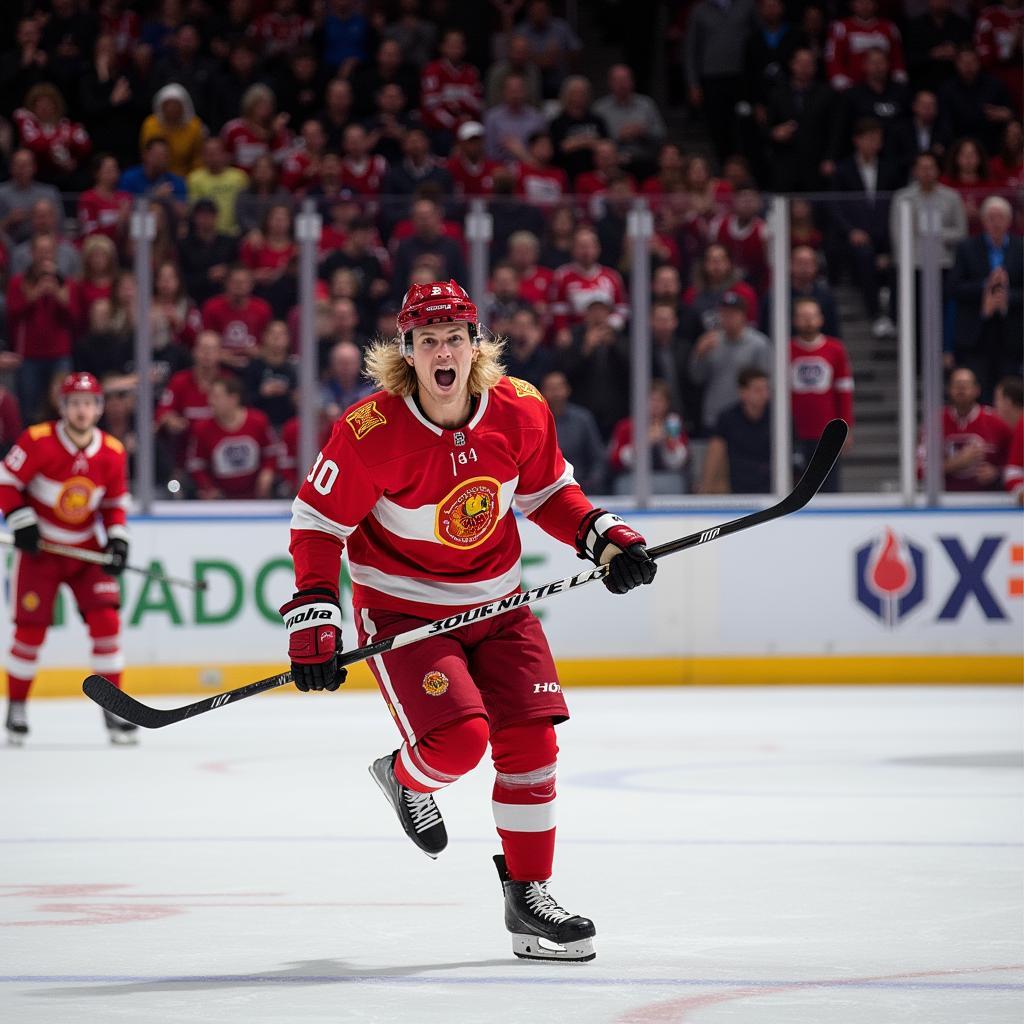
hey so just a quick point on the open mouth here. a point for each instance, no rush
(444, 378)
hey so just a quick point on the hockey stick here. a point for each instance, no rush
(103, 558)
(108, 696)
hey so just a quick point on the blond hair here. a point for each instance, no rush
(387, 368)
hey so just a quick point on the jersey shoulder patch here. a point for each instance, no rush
(524, 389)
(113, 444)
(364, 418)
(40, 430)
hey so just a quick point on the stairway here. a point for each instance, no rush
(873, 464)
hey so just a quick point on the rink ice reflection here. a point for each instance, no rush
(748, 855)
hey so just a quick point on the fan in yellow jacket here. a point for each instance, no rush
(174, 119)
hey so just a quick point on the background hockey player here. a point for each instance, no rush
(59, 483)
(419, 479)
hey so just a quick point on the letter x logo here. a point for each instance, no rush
(972, 578)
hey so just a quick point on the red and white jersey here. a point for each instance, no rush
(541, 186)
(231, 460)
(72, 489)
(1013, 473)
(240, 327)
(535, 287)
(997, 35)
(125, 27)
(277, 33)
(574, 288)
(981, 427)
(426, 511)
(299, 170)
(245, 144)
(56, 146)
(471, 179)
(747, 245)
(850, 38)
(101, 215)
(450, 95)
(364, 177)
(821, 383)
(186, 397)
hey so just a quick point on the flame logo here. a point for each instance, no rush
(892, 573)
(890, 577)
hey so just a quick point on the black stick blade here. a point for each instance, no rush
(119, 703)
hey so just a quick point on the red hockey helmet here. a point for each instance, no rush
(439, 302)
(80, 384)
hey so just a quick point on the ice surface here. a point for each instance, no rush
(834, 856)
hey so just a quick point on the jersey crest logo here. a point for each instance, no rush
(364, 419)
(524, 389)
(435, 683)
(74, 502)
(468, 514)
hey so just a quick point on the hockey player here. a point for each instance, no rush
(419, 479)
(59, 482)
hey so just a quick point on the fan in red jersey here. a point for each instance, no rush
(821, 382)
(61, 482)
(975, 441)
(418, 479)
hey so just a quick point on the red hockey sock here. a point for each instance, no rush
(105, 629)
(444, 755)
(21, 662)
(525, 757)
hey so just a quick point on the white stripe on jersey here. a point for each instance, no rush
(61, 536)
(8, 479)
(529, 503)
(305, 517)
(47, 491)
(423, 591)
(420, 523)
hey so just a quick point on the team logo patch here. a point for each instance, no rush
(364, 419)
(524, 389)
(435, 683)
(74, 501)
(468, 514)
(30, 602)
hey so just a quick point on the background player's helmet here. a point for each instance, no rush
(436, 303)
(81, 384)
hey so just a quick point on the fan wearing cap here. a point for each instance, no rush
(472, 173)
(65, 482)
(418, 480)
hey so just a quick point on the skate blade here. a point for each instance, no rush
(124, 739)
(387, 796)
(532, 947)
(16, 739)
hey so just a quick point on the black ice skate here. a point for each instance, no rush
(416, 811)
(541, 929)
(121, 733)
(17, 723)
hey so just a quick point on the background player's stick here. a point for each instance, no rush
(103, 558)
(108, 696)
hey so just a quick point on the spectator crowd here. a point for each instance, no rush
(393, 116)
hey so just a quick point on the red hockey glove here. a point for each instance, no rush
(313, 621)
(605, 538)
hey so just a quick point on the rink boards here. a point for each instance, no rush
(844, 596)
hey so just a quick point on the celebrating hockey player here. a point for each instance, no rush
(419, 479)
(59, 483)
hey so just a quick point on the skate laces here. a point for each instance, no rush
(422, 809)
(543, 904)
